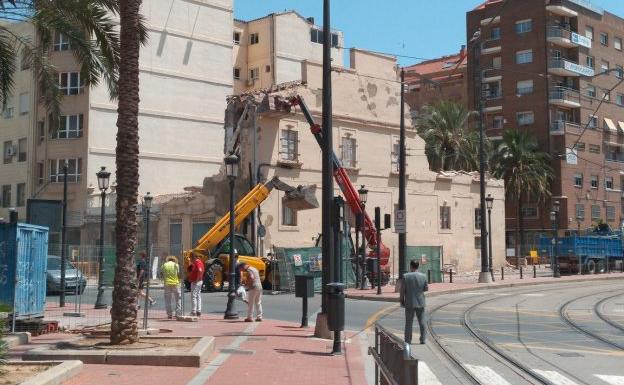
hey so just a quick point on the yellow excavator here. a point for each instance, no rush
(214, 246)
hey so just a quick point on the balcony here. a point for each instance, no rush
(565, 67)
(491, 46)
(561, 127)
(566, 38)
(490, 20)
(559, 8)
(565, 97)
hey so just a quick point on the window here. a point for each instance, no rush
(254, 73)
(595, 212)
(590, 61)
(617, 43)
(445, 217)
(610, 213)
(495, 33)
(8, 110)
(24, 103)
(348, 152)
(61, 42)
(74, 169)
(289, 216)
(604, 38)
(394, 157)
(288, 145)
(580, 146)
(70, 126)
(589, 32)
(529, 211)
(594, 149)
(524, 26)
(40, 173)
(524, 57)
(492, 90)
(580, 211)
(578, 179)
(619, 71)
(21, 150)
(254, 38)
(620, 99)
(175, 236)
(477, 218)
(8, 152)
(525, 118)
(200, 228)
(316, 36)
(237, 73)
(524, 87)
(496, 62)
(477, 243)
(21, 195)
(236, 37)
(606, 95)
(591, 91)
(25, 62)
(594, 180)
(604, 66)
(498, 122)
(609, 183)
(6, 195)
(70, 83)
(267, 68)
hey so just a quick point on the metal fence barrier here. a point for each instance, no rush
(393, 359)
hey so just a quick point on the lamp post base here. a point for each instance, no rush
(485, 277)
(99, 304)
(230, 310)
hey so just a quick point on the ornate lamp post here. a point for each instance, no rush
(363, 193)
(103, 178)
(489, 203)
(231, 170)
(554, 216)
(147, 205)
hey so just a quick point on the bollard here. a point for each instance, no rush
(451, 276)
(521, 273)
(534, 272)
(429, 276)
(502, 273)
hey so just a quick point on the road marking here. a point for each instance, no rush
(207, 372)
(613, 380)
(555, 377)
(472, 293)
(533, 295)
(379, 314)
(486, 376)
(426, 376)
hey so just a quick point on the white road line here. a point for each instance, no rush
(486, 376)
(472, 293)
(555, 377)
(426, 376)
(612, 380)
(533, 295)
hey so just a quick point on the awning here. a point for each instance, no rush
(621, 125)
(610, 125)
(614, 144)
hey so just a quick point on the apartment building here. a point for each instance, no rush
(185, 76)
(269, 50)
(16, 121)
(434, 80)
(554, 68)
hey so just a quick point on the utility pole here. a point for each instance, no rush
(402, 181)
(64, 237)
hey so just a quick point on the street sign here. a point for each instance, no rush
(400, 221)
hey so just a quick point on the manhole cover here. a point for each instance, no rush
(237, 351)
(569, 354)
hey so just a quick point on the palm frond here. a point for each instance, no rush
(7, 66)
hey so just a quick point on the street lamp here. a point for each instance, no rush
(579, 220)
(103, 178)
(489, 203)
(554, 216)
(231, 170)
(147, 205)
(363, 193)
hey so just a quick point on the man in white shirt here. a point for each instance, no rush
(254, 292)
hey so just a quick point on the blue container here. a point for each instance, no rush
(23, 255)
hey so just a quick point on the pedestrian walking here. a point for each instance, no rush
(413, 300)
(170, 272)
(142, 272)
(254, 292)
(196, 277)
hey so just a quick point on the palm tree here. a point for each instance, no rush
(449, 142)
(123, 311)
(89, 27)
(524, 168)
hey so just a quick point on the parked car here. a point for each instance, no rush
(73, 277)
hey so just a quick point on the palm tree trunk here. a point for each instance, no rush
(123, 312)
(520, 231)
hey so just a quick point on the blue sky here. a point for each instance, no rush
(419, 28)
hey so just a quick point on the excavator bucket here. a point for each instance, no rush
(301, 198)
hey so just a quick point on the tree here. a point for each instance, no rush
(87, 25)
(123, 311)
(450, 144)
(526, 171)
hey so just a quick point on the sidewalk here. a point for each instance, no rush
(262, 353)
(388, 294)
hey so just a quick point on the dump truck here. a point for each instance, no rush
(214, 246)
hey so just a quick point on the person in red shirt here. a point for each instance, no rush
(196, 277)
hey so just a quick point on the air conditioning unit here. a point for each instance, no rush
(10, 151)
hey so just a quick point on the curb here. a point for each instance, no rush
(55, 375)
(15, 339)
(373, 297)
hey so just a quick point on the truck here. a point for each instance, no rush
(214, 246)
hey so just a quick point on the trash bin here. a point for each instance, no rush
(335, 306)
(304, 286)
